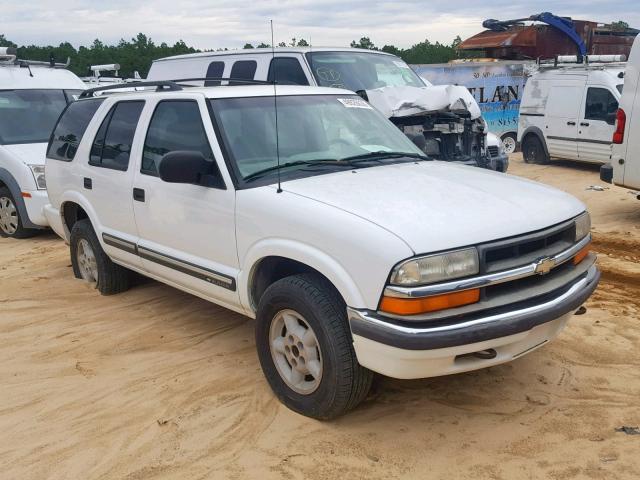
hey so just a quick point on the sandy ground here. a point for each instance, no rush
(154, 383)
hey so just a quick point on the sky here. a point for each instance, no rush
(210, 24)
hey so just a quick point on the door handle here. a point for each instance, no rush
(88, 184)
(584, 124)
(138, 194)
(571, 123)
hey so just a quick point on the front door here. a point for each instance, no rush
(187, 232)
(596, 126)
(561, 122)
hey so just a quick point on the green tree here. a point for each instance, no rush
(365, 42)
(247, 46)
(4, 42)
(619, 26)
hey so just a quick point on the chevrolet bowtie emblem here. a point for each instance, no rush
(545, 265)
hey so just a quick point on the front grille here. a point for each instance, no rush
(493, 150)
(525, 249)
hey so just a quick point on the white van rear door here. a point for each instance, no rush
(596, 126)
(561, 122)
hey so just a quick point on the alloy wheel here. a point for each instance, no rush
(8, 216)
(87, 262)
(295, 351)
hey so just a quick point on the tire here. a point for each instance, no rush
(533, 151)
(338, 383)
(92, 265)
(510, 143)
(11, 225)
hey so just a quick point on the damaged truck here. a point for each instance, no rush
(444, 121)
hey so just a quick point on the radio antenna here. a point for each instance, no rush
(275, 103)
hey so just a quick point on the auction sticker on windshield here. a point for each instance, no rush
(354, 103)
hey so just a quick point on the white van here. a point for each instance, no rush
(32, 97)
(624, 169)
(444, 121)
(568, 112)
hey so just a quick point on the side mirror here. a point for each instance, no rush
(189, 167)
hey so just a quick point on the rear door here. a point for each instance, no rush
(561, 118)
(187, 232)
(107, 179)
(596, 126)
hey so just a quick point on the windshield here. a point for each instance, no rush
(320, 129)
(361, 71)
(28, 116)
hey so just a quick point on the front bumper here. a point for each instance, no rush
(54, 220)
(34, 205)
(400, 350)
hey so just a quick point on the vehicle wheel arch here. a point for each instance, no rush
(536, 132)
(7, 180)
(264, 267)
(73, 209)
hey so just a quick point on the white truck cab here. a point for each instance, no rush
(306, 209)
(624, 169)
(444, 120)
(32, 96)
(568, 112)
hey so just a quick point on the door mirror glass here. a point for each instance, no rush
(187, 166)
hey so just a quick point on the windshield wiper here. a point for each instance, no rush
(334, 162)
(382, 155)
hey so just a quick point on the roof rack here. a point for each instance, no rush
(171, 85)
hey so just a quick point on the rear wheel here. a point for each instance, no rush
(533, 150)
(10, 221)
(305, 348)
(91, 264)
(510, 143)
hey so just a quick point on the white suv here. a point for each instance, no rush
(354, 252)
(32, 96)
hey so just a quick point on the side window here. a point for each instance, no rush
(175, 125)
(215, 70)
(70, 128)
(112, 145)
(601, 105)
(243, 70)
(287, 71)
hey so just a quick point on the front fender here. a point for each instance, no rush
(533, 130)
(16, 193)
(303, 253)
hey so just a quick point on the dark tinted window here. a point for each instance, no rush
(601, 105)
(28, 116)
(286, 71)
(70, 129)
(112, 145)
(244, 70)
(175, 125)
(215, 70)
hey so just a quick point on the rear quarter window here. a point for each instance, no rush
(70, 128)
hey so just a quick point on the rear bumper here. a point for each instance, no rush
(606, 173)
(55, 221)
(408, 351)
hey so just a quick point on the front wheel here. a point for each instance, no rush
(533, 151)
(11, 224)
(305, 348)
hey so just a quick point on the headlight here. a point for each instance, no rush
(436, 268)
(38, 176)
(583, 226)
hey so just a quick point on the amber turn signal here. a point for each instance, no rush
(414, 306)
(581, 255)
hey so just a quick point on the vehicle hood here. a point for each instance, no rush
(28, 153)
(407, 101)
(435, 206)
